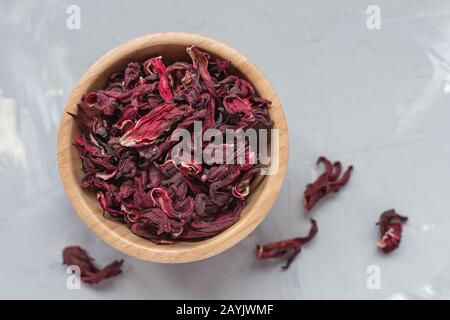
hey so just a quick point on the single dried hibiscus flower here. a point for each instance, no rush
(281, 248)
(90, 274)
(328, 182)
(391, 227)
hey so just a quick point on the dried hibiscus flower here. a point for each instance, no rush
(125, 146)
(90, 274)
(391, 226)
(329, 181)
(282, 248)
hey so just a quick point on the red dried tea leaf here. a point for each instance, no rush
(90, 274)
(158, 66)
(151, 126)
(127, 118)
(125, 146)
(100, 102)
(132, 74)
(241, 189)
(219, 67)
(200, 61)
(199, 228)
(328, 182)
(162, 199)
(282, 248)
(84, 146)
(86, 119)
(391, 226)
(242, 109)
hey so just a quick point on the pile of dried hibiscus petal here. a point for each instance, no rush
(125, 147)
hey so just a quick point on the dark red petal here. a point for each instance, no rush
(326, 183)
(158, 66)
(282, 248)
(391, 228)
(200, 62)
(90, 274)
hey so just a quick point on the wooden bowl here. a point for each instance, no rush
(264, 189)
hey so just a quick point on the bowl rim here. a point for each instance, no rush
(111, 232)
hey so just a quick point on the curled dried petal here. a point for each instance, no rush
(132, 74)
(90, 274)
(200, 62)
(326, 183)
(151, 126)
(391, 227)
(158, 66)
(84, 146)
(100, 102)
(282, 248)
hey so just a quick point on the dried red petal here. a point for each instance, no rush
(84, 146)
(100, 102)
(200, 62)
(158, 66)
(127, 118)
(199, 228)
(391, 227)
(219, 67)
(282, 248)
(90, 274)
(151, 126)
(326, 183)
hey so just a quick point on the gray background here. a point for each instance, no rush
(377, 99)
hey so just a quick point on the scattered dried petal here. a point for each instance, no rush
(282, 248)
(326, 183)
(391, 227)
(90, 274)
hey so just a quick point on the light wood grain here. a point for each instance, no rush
(264, 190)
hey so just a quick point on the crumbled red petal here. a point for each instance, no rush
(391, 227)
(127, 118)
(241, 189)
(132, 74)
(125, 146)
(328, 182)
(100, 102)
(282, 248)
(82, 144)
(90, 273)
